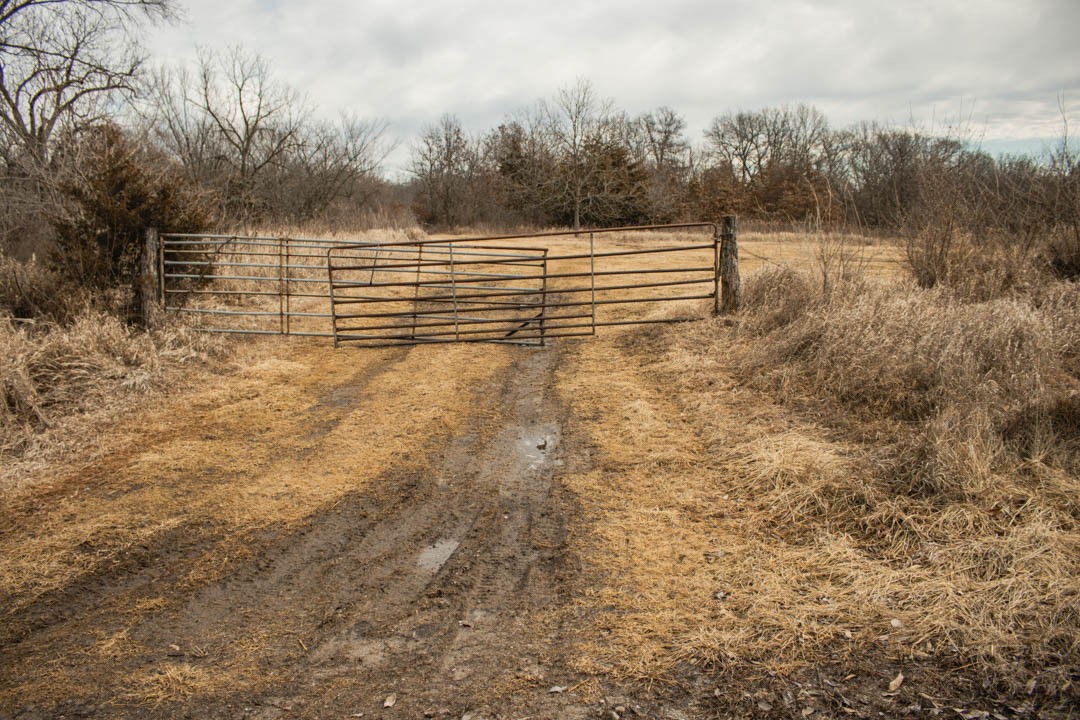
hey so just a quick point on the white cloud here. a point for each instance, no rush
(999, 65)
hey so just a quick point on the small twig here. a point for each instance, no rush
(579, 685)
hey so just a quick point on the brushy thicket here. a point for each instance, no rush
(966, 410)
(65, 351)
(68, 341)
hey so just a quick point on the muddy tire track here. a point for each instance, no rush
(446, 586)
(143, 569)
(430, 585)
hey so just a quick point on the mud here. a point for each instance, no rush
(434, 592)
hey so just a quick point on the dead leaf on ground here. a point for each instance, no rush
(389, 701)
(896, 682)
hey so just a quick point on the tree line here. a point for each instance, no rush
(96, 144)
(575, 160)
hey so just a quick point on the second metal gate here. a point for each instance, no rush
(508, 289)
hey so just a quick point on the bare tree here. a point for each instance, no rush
(183, 128)
(667, 159)
(738, 140)
(250, 138)
(330, 162)
(785, 158)
(752, 141)
(59, 59)
(575, 119)
(445, 163)
(664, 133)
(257, 119)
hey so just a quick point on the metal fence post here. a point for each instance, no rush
(281, 285)
(592, 280)
(453, 291)
(330, 292)
(543, 295)
(416, 292)
(288, 292)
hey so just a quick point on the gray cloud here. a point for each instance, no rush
(996, 65)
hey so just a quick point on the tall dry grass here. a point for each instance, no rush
(960, 418)
(990, 372)
(51, 372)
(64, 353)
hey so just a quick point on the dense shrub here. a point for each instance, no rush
(112, 188)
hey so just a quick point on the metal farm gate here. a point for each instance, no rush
(522, 289)
(247, 285)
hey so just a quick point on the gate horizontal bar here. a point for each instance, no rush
(555, 233)
(555, 291)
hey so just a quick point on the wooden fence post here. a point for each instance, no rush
(149, 302)
(731, 296)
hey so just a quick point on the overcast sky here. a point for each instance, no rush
(997, 67)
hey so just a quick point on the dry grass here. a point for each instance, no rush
(825, 258)
(878, 476)
(68, 363)
(288, 434)
(172, 682)
(31, 292)
(50, 373)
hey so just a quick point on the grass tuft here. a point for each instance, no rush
(51, 372)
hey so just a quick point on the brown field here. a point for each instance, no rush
(690, 520)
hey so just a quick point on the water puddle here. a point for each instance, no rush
(435, 556)
(535, 444)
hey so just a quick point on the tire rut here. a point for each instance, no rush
(454, 577)
(140, 567)
(423, 585)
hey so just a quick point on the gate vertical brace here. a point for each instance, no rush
(543, 295)
(330, 288)
(416, 295)
(281, 289)
(453, 291)
(731, 298)
(374, 262)
(592, 279)
(288, 293)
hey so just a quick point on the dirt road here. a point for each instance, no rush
(613, 526)
(325, 534)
